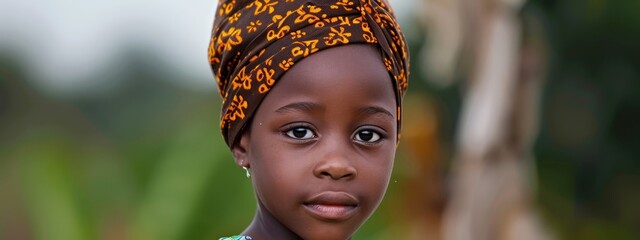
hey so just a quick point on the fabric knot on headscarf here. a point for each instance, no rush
(254, 42)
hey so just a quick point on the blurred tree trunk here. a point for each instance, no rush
(491, 195)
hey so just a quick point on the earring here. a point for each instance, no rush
(247, 171)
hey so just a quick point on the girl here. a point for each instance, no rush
(311, 109)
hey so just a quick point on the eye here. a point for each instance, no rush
(367, 136)
(300, 133)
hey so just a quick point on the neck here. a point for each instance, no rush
(265, 226)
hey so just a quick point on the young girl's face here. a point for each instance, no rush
(321, 145)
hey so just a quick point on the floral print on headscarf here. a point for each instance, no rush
(254, 42)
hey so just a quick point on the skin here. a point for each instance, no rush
(327, 129)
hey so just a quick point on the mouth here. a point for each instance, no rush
(332, 206)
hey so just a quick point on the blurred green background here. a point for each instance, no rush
(109, 124)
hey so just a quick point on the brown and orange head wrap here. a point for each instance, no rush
(254, 42)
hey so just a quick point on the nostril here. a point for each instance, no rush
(335, 170)
(337, 174)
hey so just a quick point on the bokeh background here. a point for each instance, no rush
(109, 124)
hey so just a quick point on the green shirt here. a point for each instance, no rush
(237, 237)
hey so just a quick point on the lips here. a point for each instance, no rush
(332, 206)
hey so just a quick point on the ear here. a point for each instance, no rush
(240, 151)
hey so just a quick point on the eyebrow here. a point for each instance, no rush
(310, 107)
(375, 110)
(300, 106)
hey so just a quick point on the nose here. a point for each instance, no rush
(336, 165)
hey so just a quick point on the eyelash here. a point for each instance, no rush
(288, 132)
(376, 134)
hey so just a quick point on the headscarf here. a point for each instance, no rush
(254, 42)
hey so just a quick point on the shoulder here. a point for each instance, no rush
(238, 237)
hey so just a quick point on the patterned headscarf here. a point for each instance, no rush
(254, 42)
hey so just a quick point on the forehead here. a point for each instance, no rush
(355, 73)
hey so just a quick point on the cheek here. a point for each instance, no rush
(274, 173)
(386, 161)
(378, 174)
(265, 171)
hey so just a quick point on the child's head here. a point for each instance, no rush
(311, 105)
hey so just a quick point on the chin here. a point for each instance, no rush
(332, 232)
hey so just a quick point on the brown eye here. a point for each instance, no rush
(301, 133)
(367, 136)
